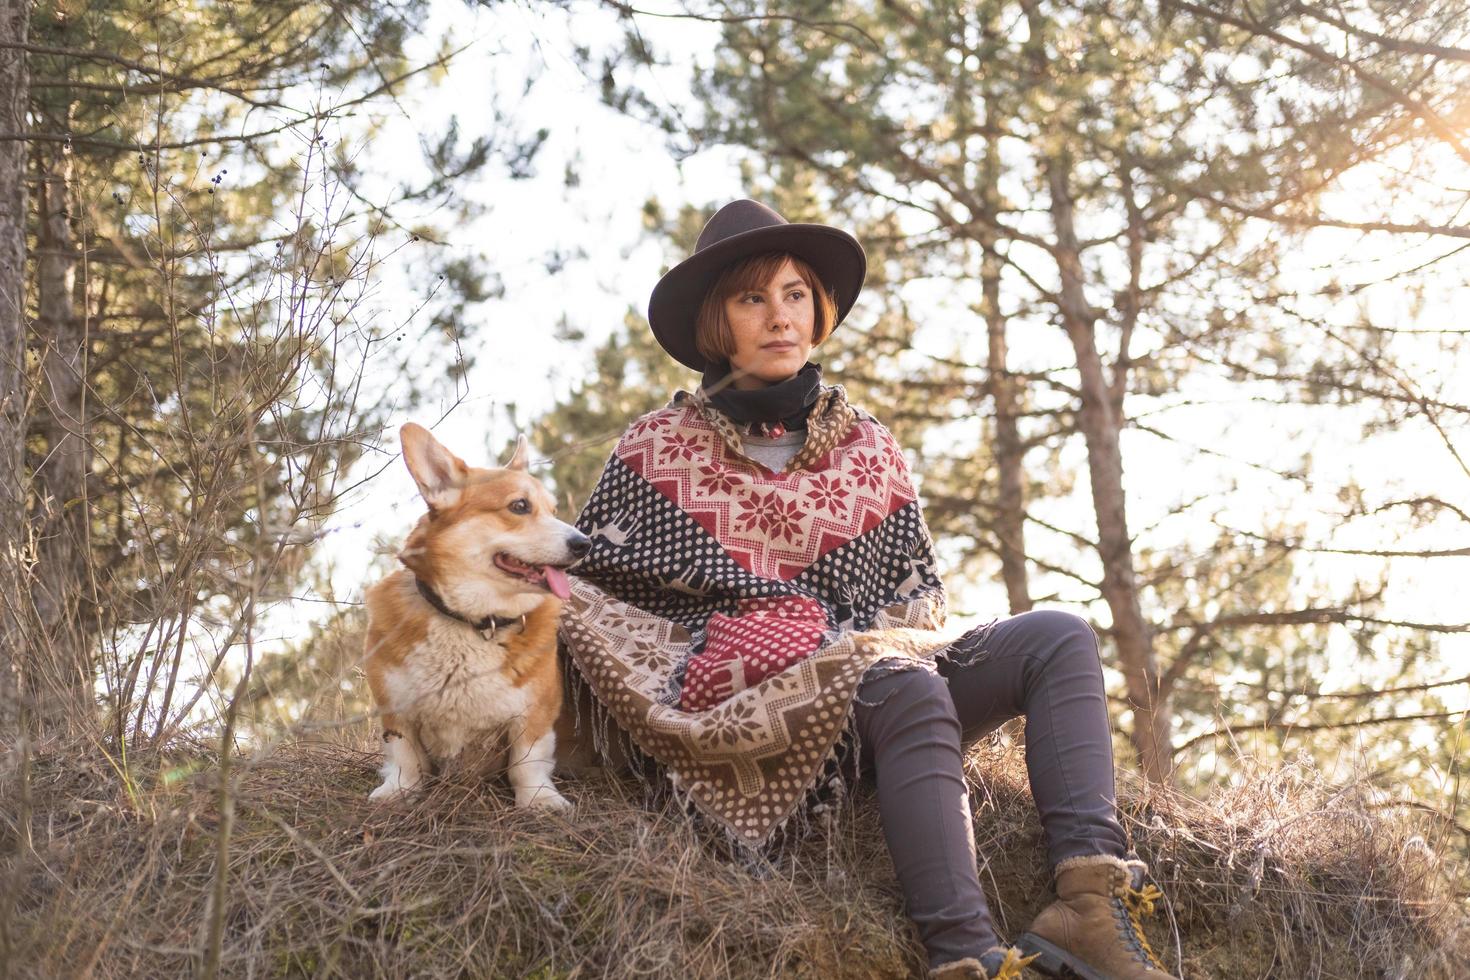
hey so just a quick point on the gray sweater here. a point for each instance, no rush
(775, 452)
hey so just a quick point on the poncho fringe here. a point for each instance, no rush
(683, 526)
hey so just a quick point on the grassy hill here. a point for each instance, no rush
(1285, 877)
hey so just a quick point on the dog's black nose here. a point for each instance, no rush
(579, 544)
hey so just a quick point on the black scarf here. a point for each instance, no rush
(787, 402)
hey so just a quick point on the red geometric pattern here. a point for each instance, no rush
(772, 525)
(768, 635)
(655, 578)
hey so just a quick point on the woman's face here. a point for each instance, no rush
(772, 329)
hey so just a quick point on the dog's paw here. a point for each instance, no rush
(542, 798)
(389, 791)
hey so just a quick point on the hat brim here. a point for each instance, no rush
(835, 255)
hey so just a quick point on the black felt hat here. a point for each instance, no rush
(738, 230)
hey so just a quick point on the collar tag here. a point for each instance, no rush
(488, 628)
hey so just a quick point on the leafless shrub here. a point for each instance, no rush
(201, 518)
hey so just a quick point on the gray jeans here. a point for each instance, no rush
(1042, 665)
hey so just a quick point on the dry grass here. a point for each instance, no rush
(1283, 878)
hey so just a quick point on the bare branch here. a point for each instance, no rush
(1293, 727)
(1439, 51)
(1423, 112)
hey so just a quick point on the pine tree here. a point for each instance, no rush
(14, 78)
(203, 241)
(1092, 181)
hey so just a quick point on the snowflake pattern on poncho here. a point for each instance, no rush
(684, 526)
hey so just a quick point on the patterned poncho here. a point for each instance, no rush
(683, 526)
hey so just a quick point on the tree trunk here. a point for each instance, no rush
(1101, 426)
(60, 584)
(15, 84)
(1010, 517)
(1010, 453)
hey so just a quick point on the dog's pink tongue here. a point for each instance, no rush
(556, 581)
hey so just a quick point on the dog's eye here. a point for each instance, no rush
(520, 505)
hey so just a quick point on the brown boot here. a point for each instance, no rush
(1093, 927)
(997, 963)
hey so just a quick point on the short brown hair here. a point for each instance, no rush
(712, 334)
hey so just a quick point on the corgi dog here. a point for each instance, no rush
(461, 641)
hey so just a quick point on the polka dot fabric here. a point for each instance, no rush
(725, 614)
(774, 525)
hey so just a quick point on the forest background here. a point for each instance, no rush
(1164, 299)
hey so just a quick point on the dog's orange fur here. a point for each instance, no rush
(442, 685)
(398, 622)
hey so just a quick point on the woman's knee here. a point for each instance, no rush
(1065, 630)
(1060, 623)
(1057, 638)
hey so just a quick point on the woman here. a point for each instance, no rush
(761, 582)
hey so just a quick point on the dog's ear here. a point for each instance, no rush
(518, 458)
(440, 474)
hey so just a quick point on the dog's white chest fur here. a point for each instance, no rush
(455, 682)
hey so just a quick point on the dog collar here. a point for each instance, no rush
(486, 626)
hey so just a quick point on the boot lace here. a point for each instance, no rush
(1140, 902)
(1013, 964)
